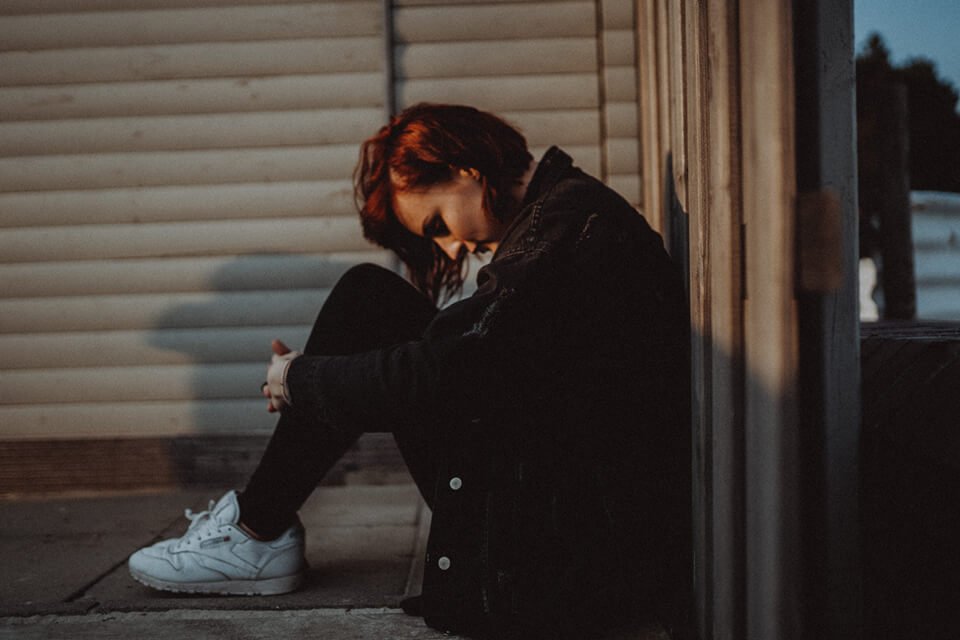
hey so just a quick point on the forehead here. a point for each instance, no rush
(415, 207)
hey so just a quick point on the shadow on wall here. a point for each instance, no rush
(221, 341)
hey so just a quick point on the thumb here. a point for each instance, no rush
(279, 348)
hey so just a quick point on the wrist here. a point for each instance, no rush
(277, 374)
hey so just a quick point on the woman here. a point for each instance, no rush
(544, 418)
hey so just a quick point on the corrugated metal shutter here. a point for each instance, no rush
(564, 71)
(175, 179)
(174, 192)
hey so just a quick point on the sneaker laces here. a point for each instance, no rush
(196, 518)
(201, 524)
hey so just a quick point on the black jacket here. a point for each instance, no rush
(560, 395)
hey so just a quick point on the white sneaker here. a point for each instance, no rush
(217, 556)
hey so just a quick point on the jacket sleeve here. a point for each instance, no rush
(457, 367)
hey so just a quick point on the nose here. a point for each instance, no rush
(450, 247)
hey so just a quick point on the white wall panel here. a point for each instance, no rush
(506, 93)
(177, 26)
(175, 191)
(160, 311)
(187, 132)
(161, 275)
(156, 168)
(449, 3)
(235, 201)
(165, 62)
(193, 95)
(506, 57)
(563, 71)
(30, 7)
(175, 179)
(143, 347)
(567, 128)
(135, 419)
(168, 382)
(495, 22)
(619, 78)
(92, 242)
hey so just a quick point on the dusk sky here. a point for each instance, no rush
(914, 28)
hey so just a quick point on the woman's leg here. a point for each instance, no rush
(369, 308)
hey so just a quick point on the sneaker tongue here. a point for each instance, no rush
(227, 510)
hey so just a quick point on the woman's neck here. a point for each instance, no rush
(520, 189)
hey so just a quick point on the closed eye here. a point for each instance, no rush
(435, 227)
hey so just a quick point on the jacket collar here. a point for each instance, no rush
(549, 170)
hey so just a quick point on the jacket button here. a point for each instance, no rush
(443, 563)
(456, 483)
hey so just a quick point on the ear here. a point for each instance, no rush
(470, 173)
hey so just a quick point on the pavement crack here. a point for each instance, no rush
(84, 589)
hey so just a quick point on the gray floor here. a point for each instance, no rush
(65, 576)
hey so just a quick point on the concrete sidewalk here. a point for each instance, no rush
(66, 577)
(65, 572)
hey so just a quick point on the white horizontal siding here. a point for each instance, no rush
(472, 3)
(489, 58)
(148, 383)
(534, 63)
(563, 72)
(569, 128)
(118, 419)
(229, 59)
(160, 311)
(621, 118)
(193, 95)
(160, 275)
(495, 22)
(229, 237)
(620, 84)
(178, 26)
(31, 7)
(509, 93)
(936, 240)
(189, 132)
(176, 191)
(115, 348)
(142, 205)
(156, 168)
(175, 179)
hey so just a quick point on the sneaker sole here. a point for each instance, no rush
(264, 587)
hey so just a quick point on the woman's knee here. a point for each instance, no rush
(368, 275)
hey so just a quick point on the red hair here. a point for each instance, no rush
(425, 145)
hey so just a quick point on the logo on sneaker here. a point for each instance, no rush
(214, 541)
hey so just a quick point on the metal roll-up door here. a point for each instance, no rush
(175, 191)
(563, 71)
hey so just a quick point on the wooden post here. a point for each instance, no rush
(829, 363)
(896, 238)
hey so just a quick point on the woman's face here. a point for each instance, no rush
(451, 214)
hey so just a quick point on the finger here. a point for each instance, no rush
(279, 348)
(271, 408)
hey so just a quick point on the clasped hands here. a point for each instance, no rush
(275, 388)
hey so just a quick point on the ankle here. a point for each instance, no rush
(250, 532)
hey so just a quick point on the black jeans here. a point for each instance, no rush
(369, 308)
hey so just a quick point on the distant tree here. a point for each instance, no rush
(934, 124)
(875, 77)
(934, 127)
